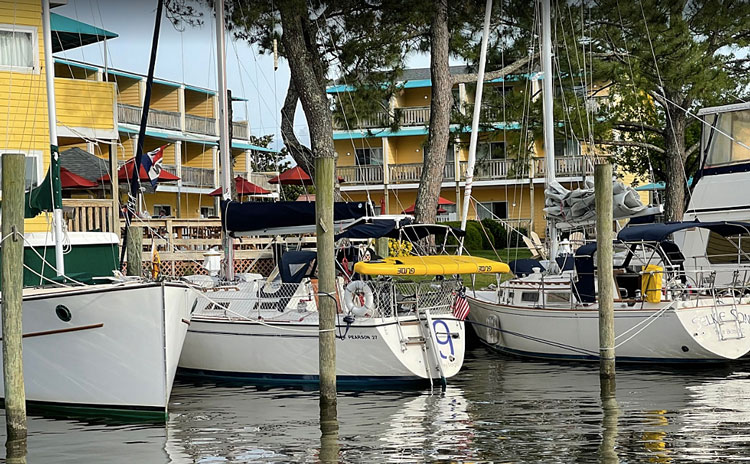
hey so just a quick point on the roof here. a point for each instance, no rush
(660, 231)
(84, 164)
(67, 33)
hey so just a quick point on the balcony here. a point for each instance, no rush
(566, 166)
(239, 129)
(366, 174)
(156, 118)
(489, 169)
(415, 116)
(201, 125)
(409, 116)
(193, 177)
(412, 172)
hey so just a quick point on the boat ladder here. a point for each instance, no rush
(428, 334)
(729, 328)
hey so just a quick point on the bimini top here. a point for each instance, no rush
(254, 218)
(430, 265)
(660, 232)
(394, 227)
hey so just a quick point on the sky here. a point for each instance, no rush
(187, 56)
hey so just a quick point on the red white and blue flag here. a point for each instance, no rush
(151, 163)
(460, 306)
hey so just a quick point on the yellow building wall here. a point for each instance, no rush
(408, 149)
(345, 149)
(165, 98)
(128, 91)
(23, 99)
(199, 104)
(413, 97)
(197, 155)
(83, 103)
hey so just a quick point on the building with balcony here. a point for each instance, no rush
(386, 164)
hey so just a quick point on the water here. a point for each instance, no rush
(497, 409)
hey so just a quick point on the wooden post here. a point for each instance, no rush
(135, 250)
(610, 414)
(13, 165)
(329, 433)
(324, 183)
(604, 237)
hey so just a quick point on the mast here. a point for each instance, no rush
(549, 128)
(225, 153)
(475, 118)
(49, 73)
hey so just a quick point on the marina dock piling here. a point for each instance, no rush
(324, 179)
(604, 250)
(134, 247)
(13, 166)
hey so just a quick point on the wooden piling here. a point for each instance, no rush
(135, 250)
(324, 180)
(604, 250)
(13, 166)
(329, 433)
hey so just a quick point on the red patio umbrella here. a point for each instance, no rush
(410, 210)
(126, 172)
(244, 187)
(74, 181)
(293, 176)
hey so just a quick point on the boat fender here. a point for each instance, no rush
(358, 298)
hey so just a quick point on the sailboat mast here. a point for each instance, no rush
(475, 118)
(224, 142)
(548, 119)
(49, 73)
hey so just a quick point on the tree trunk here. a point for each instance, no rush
(306, 66)
(440, 113)
(300, 153)
(674, 138)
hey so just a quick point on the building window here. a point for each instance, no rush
(568, 147)
(207, 212)
(162, 210)
(18, 48)
(33, 166)
(369, 156)
(491, 151)
(493, 210)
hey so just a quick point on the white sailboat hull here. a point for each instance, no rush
(119, 350)
(372, 350)
(644, 334)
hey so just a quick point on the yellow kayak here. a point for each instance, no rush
(431, 265)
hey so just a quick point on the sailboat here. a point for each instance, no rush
(663, 311)
(395, 318)
(99, 350)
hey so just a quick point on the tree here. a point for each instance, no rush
(666, 59)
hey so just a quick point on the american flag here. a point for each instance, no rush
(460, 306)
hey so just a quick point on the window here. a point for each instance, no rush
(162, 210)
(33, 168)
(491, 151)
(18, 48)
(530, 297)
(493, 210)
(207, 212)
(721, 149)
(568, 147)
(369, 156)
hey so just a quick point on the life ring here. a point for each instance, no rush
(358, 298)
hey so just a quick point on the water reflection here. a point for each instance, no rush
(15, 451)
(495, 410)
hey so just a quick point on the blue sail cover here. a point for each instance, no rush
(252, 216)
(659, 232)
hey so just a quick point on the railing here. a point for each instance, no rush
(201, 125)
(196, 177)
(380, 119)
(239, 129)
(411, 172)
(89, 215)
(566, 166)
(415, 115)
(496, 169)
(156, 118)
(367, 174)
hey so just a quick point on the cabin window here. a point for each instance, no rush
(18, 48)
(530, 297)
(369, 156)
(728, 250)
(558, 297)
(722, 149)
